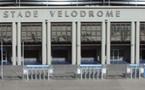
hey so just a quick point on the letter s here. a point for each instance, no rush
(5, 14)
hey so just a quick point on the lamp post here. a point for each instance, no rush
(23, 55)
(2, 58)
(19, 3)
(103, 2)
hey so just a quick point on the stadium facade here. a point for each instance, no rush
(72, 34)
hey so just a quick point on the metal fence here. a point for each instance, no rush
(135, 71)
(37, 72)
(91, 71)
(83, 72)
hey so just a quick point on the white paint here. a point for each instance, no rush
(103, 51)
(108, 43)
(104, 71)
(43, 42)
(73, 43)
(133, 42)
(137, 42)
(78, 43)
(128, 70)
(49, 58)
(37, 14)
(19, 59)
(14, 43)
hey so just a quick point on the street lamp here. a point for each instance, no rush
(1, 57)
(19, 2)
(23, 55)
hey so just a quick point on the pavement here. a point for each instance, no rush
(63, 81)
(115, 84)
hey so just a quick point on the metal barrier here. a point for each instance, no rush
(91, 71)
(134, 71)
(143, 71)
(37, 72)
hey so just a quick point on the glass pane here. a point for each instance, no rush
(31, 32)
(6, 32)
(120, 31)
(61, 32)
(90, 31)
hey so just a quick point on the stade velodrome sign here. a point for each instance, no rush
(59, 13)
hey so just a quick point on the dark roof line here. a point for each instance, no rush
(71, 2)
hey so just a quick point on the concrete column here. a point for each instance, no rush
(49, 58)
(43, 42)
(132, 42)
(14, 43)
(103, 51)
(73, 43)
(78, 43)
(137, 42)
(19, 43)
(108, 43)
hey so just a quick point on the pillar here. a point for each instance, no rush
(14, 43)
(132, 42)
(103, 51)
(44, 42)
(108, 43)
(73, 43)
(137, 42)
(49, 57)
(19, 43)
(78, 43)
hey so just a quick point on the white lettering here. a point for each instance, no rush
(91, 14)
(117, 13)
(20, 14)
(74, 13)
(109, 14)
(82, 13)
(100, 13)
(5, 14)
(52, 13)
(27, 14)
(12, 14)
(35, 13)
(66, 14)
(59, 13)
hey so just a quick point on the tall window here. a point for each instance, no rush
(142, 31)
(6, 32)
(61, 31)
(120, 31)
(31, 32)
(91, 31)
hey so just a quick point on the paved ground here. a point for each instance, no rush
(12, 80)
(73, 85)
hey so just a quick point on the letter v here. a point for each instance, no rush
(52, 13)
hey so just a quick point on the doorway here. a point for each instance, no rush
(61, 55)
(31, 40)
(115, 55)
(142, 55)
(4, 56)
(91, 55)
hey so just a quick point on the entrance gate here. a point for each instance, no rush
(3, 57)
(134, 71)
(115, 57)
(142, 55)
(37, 72)
(91, 71)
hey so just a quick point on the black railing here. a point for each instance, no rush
(71, 2)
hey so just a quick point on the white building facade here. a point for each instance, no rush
(76, 35)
